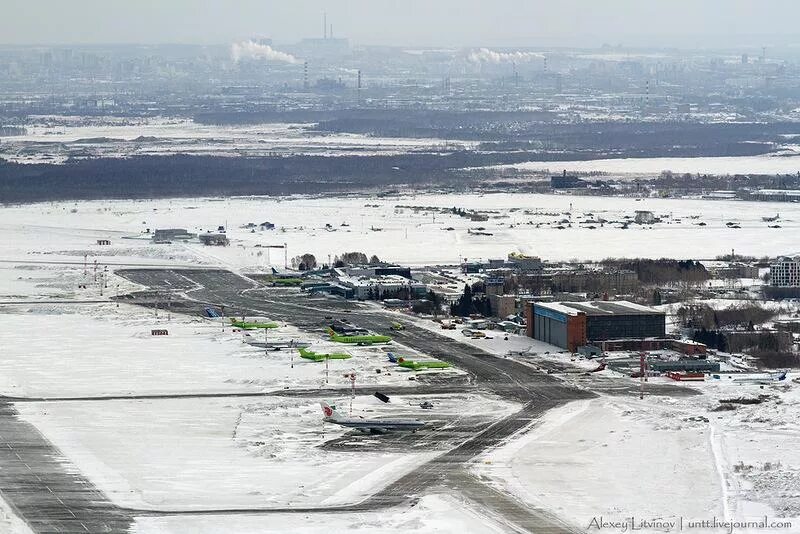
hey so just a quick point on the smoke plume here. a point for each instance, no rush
(484, 55)
(253, 50)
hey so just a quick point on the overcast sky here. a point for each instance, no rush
(685, 23)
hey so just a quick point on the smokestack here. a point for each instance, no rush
(324, 25)
(358, 89)
(305, 75)
(331, 32)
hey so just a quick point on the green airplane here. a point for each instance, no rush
(244, 325)
(417, 366)
(316, 357)
(360, 339)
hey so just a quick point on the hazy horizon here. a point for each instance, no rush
(447, 23)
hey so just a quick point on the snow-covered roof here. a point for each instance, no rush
(600, 307)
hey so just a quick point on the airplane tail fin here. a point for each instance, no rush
(329, 411)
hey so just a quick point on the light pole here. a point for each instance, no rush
(643, 373)
(352, 390)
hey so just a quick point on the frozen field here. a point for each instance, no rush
(54, 139)
(421, 235)
(784, 162)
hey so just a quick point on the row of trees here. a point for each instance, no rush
(308, 262)
(702, 316)
(774, 349)
(662, 271)
(472, 300)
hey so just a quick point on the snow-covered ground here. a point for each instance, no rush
(195, 454)
(660, 459)
(604, 457)
(423, 235)
(54, 139)
(102, 349)
(433, 514)
(785, 162)
(612, 456)
(10, 523)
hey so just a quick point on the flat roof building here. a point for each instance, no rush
(566, 181)
(570, 325)
(785, 273)
(172, 234)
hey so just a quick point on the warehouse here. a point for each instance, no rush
(570, 325)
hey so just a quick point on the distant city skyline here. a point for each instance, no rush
(446, 23)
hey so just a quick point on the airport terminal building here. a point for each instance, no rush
(570, 325)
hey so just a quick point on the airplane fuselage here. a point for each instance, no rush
(378, 426)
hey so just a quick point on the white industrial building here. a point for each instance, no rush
(785, 273)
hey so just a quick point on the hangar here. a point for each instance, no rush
(570, 325)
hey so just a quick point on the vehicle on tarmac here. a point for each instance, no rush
(318, 357)
(369, 426)
(397, 327)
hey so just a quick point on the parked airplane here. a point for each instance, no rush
(762, 379)
(369, 426)
(244, 325)
(358, 339)
(316, 357)
(417, 365)
(276, 344)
